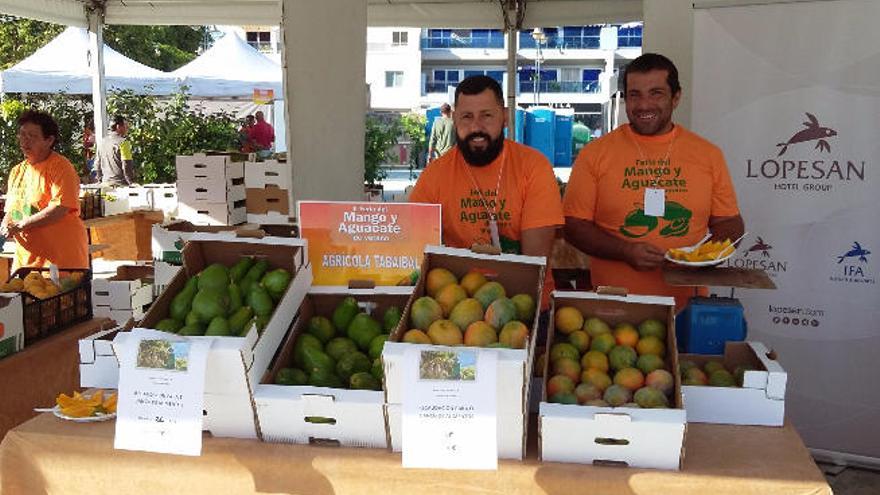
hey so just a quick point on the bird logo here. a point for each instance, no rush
(813, 132)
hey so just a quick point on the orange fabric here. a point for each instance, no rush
(607, 186)
(528, 198)
(34, 187)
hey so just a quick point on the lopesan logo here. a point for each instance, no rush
(806, 173)
(758, 256)
(852, 266)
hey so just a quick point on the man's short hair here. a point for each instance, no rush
(445, 108)
(475, 85)
(654, 61)
(118, 120)
(47, 124)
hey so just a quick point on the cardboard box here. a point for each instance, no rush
(644, 438)
(98, 365)
(761, 399)
(131, 288)
(269, 172)
(213, 213)
(270, 199)
(236, 364)
(212, 171)
(204, 191)
(358, 415)
(120, 316)
(163, 274)
(127, 199)
(270, 218)
(164, 198)
(518, 274)
(11, 326)
(169, 238)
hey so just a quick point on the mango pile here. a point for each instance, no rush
(713, 373)
(591, 364)
(227, 302)
(42, 287)
(341, 351)
(472, 311)
(80, 406)
(708, 251)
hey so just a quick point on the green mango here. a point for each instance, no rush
(235, 302)
(210, 303)
(260, 301)
(214, 276)
(182, 302)
(219, 327)
(191, 330)
(315, 359)
(344, 313)
(276, 283)
(169, 325)
(239, 319)
(240, 269)
(390, 319)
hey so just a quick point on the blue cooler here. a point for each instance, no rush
(707, 323)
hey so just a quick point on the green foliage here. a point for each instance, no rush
(413, 127)
(68, 111)
(159, 131)
(380, 135)
(20, 38)
(162, 47)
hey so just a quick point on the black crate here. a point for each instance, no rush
(45, 317)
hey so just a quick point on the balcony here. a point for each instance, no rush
(439, 87)
(447, 43)
(583, 87)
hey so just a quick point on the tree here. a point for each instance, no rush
(20, 38)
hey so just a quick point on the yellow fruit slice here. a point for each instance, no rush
(96, 399)
(110, 403)
(78, 411)
(65, 400)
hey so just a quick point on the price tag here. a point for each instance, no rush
(655, 202)
(449, 408)
(161, 393)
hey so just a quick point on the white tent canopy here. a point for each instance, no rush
(63, 65)
(230, 68)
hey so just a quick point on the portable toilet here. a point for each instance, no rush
(580, 136)
(563, 137)
(540, 128)
(520, 126)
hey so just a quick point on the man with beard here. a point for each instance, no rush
(647, 187)
(493, 191)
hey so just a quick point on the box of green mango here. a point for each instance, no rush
(243, 292)
(325, 386)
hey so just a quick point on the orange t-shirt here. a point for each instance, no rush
(607, 186)
(525, 197)
(32, 188)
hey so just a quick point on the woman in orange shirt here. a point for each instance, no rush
(42, 200)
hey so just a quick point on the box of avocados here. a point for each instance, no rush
(237, 359)
(477, 300)
(325, 386)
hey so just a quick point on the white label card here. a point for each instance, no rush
(655, 202)
(161, 393)
(449, 408)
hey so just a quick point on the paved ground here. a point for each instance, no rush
(851, 481)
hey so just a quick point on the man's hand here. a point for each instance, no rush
(643, 256)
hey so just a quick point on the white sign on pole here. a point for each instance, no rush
(794, 104)
(161, 393)
(449, 409)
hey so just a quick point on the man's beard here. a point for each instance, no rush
(480, 158)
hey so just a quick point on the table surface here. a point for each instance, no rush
(48, 455)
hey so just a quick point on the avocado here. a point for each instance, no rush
(218, 327)
(339, 347)
(320, 327)
(235, 300)
(291, 376)
(191, 330)
(253, 275)
(377, 370)
(344, 313)
(240, 269)
(259, 300)
(325, 378)
(352, 363)
(191, 319)
(362, 330)
(182, 302)
(304, 340)
(214, 276)
(210, 303)
(169, 325)
(377, 345)
(364, 381)
(239, 319)
(276, 283)
(390, 319)
(315, 359)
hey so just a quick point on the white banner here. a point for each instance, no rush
(791, 93)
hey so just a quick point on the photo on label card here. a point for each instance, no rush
(163, 355)
(448, 365)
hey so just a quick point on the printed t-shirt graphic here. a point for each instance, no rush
(607, 186)
(32, 188)
(527, 198)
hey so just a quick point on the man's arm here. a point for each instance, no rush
(48, 216)
(726, 227)
(593, 241)
(538, 241)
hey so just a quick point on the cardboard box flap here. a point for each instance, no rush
(629, 298)
(776, 376)
(517, 258)
(391, 290)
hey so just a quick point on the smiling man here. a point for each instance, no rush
(646, 187)
(493, 191)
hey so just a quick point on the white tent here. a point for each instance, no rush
(230, 68)
(63, 65)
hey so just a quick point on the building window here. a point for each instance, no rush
(629, 36)
(399, 38)
(261, 40)
(581, 37)
(393, 78)
(463, 38)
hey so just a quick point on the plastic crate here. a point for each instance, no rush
(91, 205)
(707, 323)
(45, 317)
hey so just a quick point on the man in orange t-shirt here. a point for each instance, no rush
(486, 176)
(646, 187)
(42, 200)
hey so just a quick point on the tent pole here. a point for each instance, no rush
(96, 64)
(511, 80)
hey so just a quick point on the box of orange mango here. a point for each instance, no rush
(611, 393)
(463, 298)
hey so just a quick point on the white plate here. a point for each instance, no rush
(697, 263)
(87, 419)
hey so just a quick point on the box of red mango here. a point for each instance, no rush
(236, 364)
(518, 275)
(753, 393)
(326, 415)
(600, 421)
